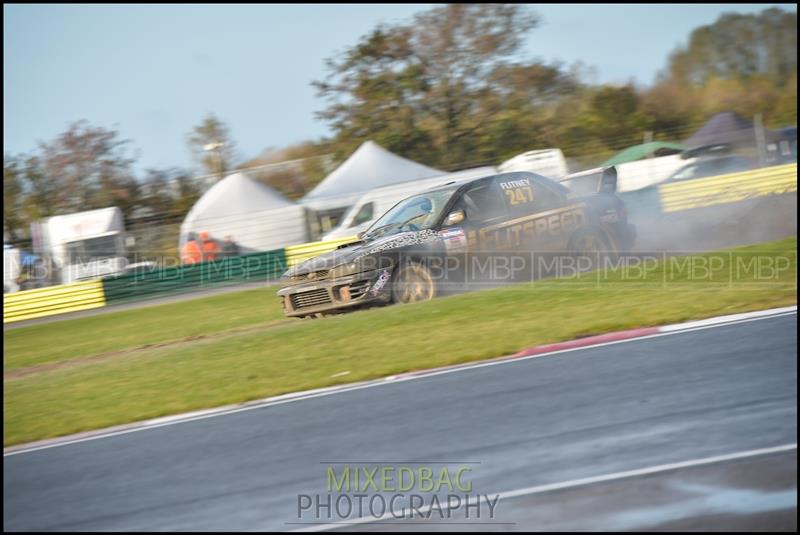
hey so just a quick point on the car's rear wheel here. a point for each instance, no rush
(592, 248)
(590, 241)
(413, 282)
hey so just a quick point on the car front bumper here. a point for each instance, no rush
(305, 299)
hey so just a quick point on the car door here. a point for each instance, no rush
(554, 216)
(484, 209)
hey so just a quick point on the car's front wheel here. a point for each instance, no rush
(413, 282)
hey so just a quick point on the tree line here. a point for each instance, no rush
(450, 89)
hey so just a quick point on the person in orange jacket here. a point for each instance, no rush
(191, 252)
(209, 247)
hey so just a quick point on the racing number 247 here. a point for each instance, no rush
(520, 195)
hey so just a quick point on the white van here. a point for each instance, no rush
(547, 162)
(373, 204)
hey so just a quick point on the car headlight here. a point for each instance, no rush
(346, 269)
(363, 264)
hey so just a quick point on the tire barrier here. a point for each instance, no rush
(41, 302)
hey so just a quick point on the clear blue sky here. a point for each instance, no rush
(153, 71)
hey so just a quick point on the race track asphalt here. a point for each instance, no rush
(589, 412)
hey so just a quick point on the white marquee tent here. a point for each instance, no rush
(256, 216)
(369, 167)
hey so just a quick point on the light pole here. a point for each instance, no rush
(216, 148)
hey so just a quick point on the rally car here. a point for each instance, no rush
(422, 245)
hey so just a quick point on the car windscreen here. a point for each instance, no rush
(419, 212)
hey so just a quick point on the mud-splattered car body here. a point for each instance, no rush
(496, 215)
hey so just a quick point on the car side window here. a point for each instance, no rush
(705, 169)
(483, 203)
(735, 165)
(545, 196)
(687, 172)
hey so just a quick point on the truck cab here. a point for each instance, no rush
(85, 245)
(94, 257)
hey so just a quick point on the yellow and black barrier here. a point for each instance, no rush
(726, 189)
(41, 302)
(296, 254)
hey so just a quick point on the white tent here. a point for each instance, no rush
(256, 216)
(369, 167)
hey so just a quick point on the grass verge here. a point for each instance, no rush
(139, 328)
(297, 355)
